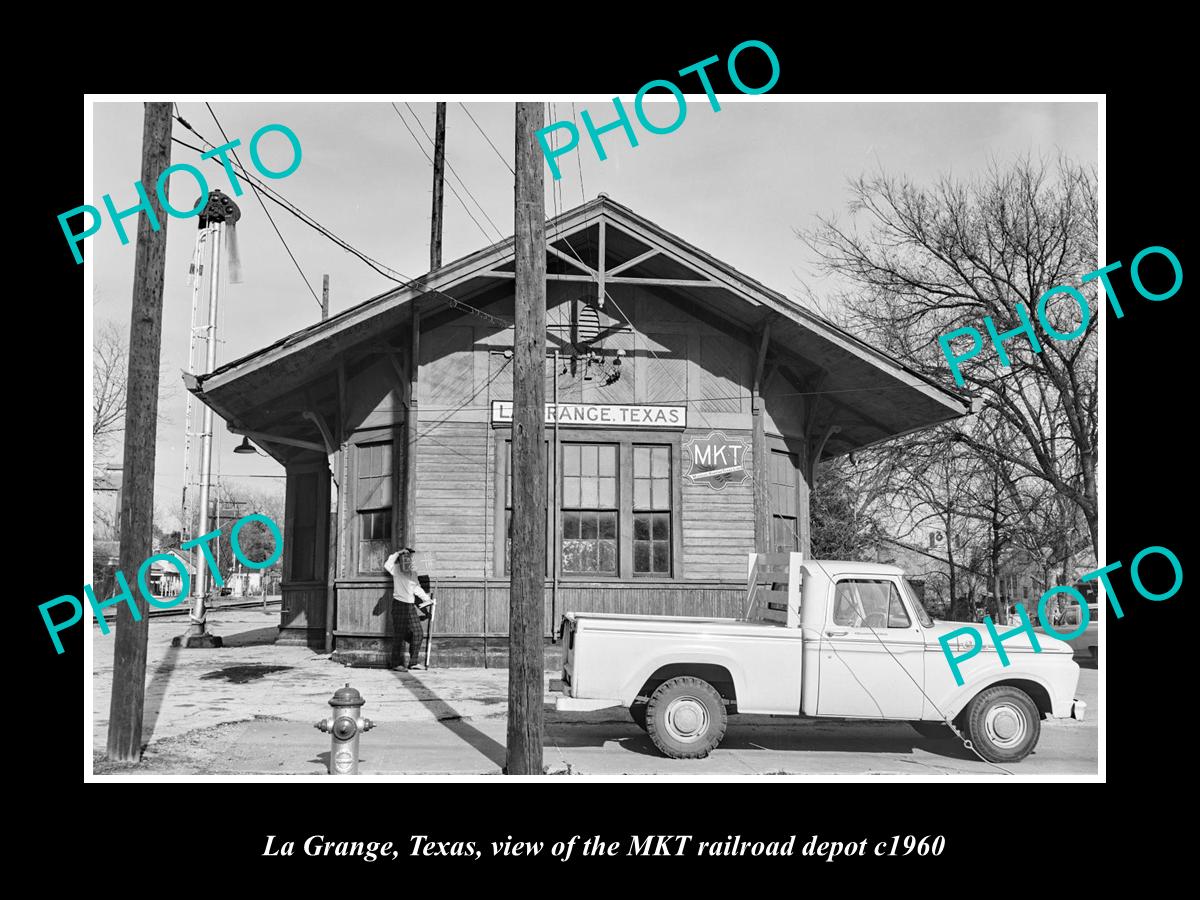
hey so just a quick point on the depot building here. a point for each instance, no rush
(687, 406)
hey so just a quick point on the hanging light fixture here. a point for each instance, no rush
(244, 446)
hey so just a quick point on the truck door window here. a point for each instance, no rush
(863, 603)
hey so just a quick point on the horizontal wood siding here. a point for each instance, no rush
(365, 608)
(718, 526)
(451, 519)
(460, 606)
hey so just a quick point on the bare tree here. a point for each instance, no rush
(110, 367)
(929, 487)
(932, 259)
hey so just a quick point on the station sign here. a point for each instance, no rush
(607, 415)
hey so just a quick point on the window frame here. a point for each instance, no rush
(793, 447)
(389, 435)
(831, 611)
(626, 439)
(653, 510)
(560, 492)
(502, 460)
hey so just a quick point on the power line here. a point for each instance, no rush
(460, 305)
(270, 219)
(488, 139)
(457, 196)
(381, 268)
(579, 160)
(282, 201)
(454, 171)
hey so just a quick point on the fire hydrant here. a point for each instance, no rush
(344, 727)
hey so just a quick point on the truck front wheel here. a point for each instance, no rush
(637, 712)
(1003, 724)
(686, 718)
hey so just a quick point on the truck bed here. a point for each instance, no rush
(642, 618)
(616, 654)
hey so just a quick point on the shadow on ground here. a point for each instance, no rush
(452, 720)
(243, 674)
(768, 734)
(256, 637)
(156, 689)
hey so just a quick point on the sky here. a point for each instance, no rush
(736, 183)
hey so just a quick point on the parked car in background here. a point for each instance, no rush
(1087, 644)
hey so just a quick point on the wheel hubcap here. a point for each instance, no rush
(1005, 725)
(686, 719)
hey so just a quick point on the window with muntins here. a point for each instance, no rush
(651, 510)
(589, 509)
(373, 500)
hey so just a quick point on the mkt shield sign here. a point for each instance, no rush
(715, 460)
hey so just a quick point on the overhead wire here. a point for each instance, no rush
(381, 268)
(270, 218)
(556, 200)
(457, 197)
(409, 282)
(617, 306)
(488, 139)
(453, 171)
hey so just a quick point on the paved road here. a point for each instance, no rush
(476, 746)
(249, 708)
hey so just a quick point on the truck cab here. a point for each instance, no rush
(837, 639)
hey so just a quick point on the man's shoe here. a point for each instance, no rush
(415, 667)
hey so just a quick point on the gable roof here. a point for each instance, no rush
(869, 396)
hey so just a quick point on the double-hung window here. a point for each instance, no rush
(374, 505)
(590, 509)
(651, 510)
(617, 508)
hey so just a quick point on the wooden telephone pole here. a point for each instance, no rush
(141, 417)
(527, 584)
(439, 169)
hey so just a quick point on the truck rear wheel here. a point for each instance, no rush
(1003, 724)
(686, 718)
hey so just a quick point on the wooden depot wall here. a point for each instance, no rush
(448, 462)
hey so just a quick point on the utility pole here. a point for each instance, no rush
(527, 584)
(141, 425)
(324, 297)
(439, 166)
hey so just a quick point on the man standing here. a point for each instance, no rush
(402, 566)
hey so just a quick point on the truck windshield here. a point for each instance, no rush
(922, 616)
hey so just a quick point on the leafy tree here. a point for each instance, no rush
(254, 538)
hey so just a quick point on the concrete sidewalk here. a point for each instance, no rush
(248, 708)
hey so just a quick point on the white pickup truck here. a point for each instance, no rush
(819, 638)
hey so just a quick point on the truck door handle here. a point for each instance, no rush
(835, 633)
